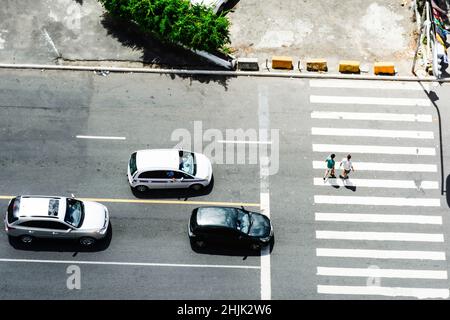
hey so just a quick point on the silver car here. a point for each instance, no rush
(30, 217)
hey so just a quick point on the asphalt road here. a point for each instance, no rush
(148, 255)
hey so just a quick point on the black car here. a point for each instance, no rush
(229, 225)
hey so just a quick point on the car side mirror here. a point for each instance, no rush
(68, 230)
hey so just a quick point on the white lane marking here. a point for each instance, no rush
(137, 264)
(244, 142)
(374, 149)
(380, 166)
(361, 84)
(377, 183)
(100, 137)
(50, 41)
(371, 116)
(382, 273)
(265, 254)
(378, 201)
(420, 293)
(379, 236)
(370, 101)
(377, 218)
(353, 132)
(380, 254)
(264, 125)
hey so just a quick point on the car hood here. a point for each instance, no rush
(204, 167)
(95, 215)
(261, 226)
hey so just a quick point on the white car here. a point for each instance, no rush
(168, 168)
(216, 5)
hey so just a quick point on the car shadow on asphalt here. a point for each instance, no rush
(229, 250)
(180, 194)
(62, 245)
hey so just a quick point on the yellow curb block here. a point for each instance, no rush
(349, 66)
(384, 68)
(316, 65)
(282, 62)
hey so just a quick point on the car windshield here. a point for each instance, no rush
(243, 221)
(133, 166)
(74, 212)
(187, 162)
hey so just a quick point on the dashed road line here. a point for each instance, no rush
(100, 137)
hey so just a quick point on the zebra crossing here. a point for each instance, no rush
(379, 233)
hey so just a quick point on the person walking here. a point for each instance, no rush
(347, 165)
(330, 166)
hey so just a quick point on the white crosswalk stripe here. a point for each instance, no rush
(374, 149)
(420, 293)
(370, 101)
(357, 227)
(377, 166)
(377, 218)
(406, 117)
(382, 273)
(379, 236)
(378, 201)
(381, 254)
(362, 84)
(377, 183)
(372, 133)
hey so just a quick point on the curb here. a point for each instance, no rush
(220, 73)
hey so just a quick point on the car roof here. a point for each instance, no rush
(217, 217)
(41, 206)
(154, 159)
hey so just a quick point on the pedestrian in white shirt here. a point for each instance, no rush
(347, 165)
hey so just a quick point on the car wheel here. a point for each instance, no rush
(141, 188)
(87, 241)
(26, 239)
(256, 246)
(196, 187)
(200, 243)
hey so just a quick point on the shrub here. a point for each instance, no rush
(177, 21)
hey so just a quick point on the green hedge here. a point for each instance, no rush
(177, 21)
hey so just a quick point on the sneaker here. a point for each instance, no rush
(323, 178)
(333, 176)
(341, 176)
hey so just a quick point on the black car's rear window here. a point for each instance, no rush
(13, 209)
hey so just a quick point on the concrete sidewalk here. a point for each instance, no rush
(77, 32)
